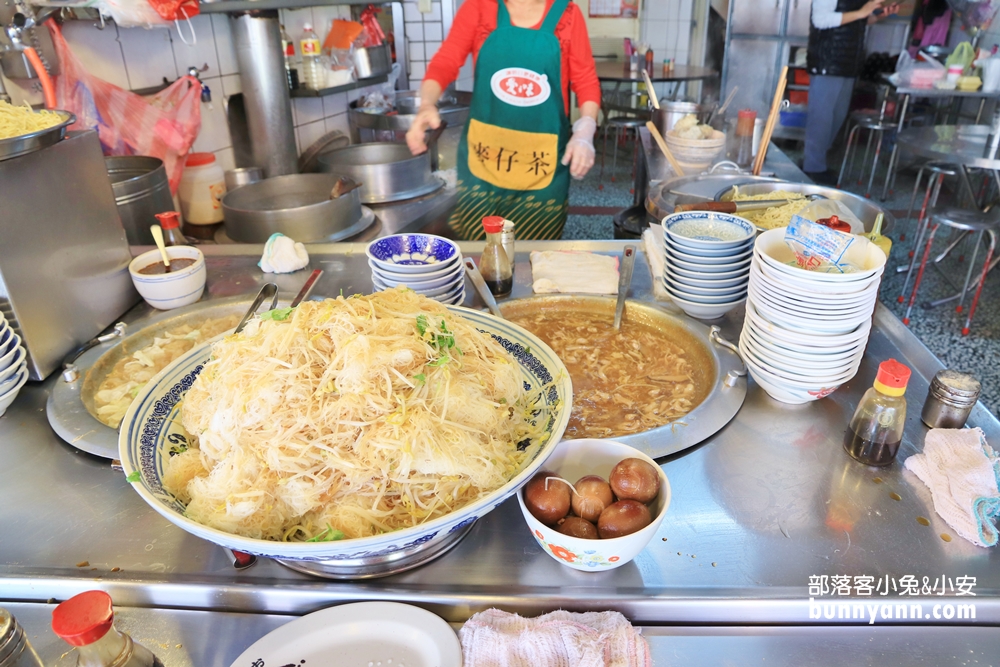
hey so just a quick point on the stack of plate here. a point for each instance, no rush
(13, 365)
(806, 331)
(707, 261)
(427, 264)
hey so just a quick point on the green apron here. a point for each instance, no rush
(509, 156)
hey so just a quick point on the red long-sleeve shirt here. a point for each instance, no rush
(476, 19)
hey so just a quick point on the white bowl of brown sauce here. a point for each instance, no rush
(180, 286)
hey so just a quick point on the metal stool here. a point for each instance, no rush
(931, 193)
(966, 221)
(620, 124)
(877, 125)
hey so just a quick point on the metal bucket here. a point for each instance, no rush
(372, 61)
(142, 190)
(670, 112)
(387, 172)
(297, 205)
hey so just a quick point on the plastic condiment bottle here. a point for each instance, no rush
(87, 622)
(309, 47)
(202, 187)
(743, 145)
(876, 429)
(170, 223)
(494, 264)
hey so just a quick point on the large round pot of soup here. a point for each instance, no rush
(661, 384)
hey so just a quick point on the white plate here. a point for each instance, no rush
(362, 634)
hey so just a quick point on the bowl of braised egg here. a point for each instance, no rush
(595, 504)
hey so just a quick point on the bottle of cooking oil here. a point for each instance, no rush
(876, 430)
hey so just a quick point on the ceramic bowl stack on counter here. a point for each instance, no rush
(805, 332)
(427, 264)
(13, 365)
(707, 261)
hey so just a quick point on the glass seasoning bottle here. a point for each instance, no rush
(87, 622)
(291, 62)
(876, 430)
(742, 153)
(170, 222)
(494, 264)
(507, 241)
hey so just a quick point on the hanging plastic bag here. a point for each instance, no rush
(962, 55)
(131, 13)
(373, 31)
(164, 125)
(175, 10)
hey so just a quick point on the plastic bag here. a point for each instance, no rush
(818, 248)
(825, 208)
(962, 55)
(164, 125)
(916, 74)
(131, 13)
(373, 31)
(383, 99)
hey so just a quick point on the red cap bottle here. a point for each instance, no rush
(87, 622)
(170, 221)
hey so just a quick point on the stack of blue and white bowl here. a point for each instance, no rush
(427, 264)
(707, 261)
(13, 365)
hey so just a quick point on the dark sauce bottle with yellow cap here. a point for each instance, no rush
(876, 430)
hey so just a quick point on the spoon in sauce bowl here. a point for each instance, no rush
(624, 282)
(157, 232)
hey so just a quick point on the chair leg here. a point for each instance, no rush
(847, 155)
(982, 281)
(868, 150)
(968, 273)
(922, 221)
(920, 273)
(614, 156)
(913, 200)
(604, 151)
(878, 151)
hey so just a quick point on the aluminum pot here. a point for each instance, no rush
(387, 172)
(670, 112)
(141, 190)
(297, 205)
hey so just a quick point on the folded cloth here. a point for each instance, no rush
(654, 246)
(962, 472)
(495, 638)
(283, 255)
(572, 271)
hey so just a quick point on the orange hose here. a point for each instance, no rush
(48, 90)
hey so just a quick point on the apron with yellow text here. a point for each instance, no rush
(509, 156)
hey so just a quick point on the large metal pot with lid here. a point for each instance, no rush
(387, 172)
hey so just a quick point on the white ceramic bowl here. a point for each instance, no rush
(804, 284)
(419, 281)
(679, 286)
(705, 299)
(698, 274)
(9, 393)
(808, 326)
(740, 255)
(707, 230)
(865, 255)
(12, 345)
(816, 309)
(710, 254)
(831, 342)
(572, 459)
(170, 290)
(451, 286)
(13, 374)
(706, 311)
(456, 300)
(788, 391)
(708, 281)
(805, 353)
(16, 362)
(413, 253)
(795, 365)
(796, 372)
(798, 291)
(741, 267)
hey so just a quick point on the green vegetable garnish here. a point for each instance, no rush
(135, 476)
(331, 534)
(420, 377)
(277, 315)
(421, 324)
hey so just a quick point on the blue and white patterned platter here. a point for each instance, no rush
(708, 229)
(152, 427)
(412, 253)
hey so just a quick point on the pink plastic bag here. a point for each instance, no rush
(164, 125)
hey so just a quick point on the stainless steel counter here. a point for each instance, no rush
(757, 510)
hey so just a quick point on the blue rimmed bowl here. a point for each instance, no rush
(708, 229)
(152, 426)
(412, 253)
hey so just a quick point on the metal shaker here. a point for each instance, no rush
(15, 649)
(950, 398)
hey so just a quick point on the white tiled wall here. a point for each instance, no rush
(666, 27)
(135, 58)
(424, 34)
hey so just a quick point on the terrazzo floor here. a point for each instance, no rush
(940, 329)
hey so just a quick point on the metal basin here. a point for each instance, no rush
(36, 141)
(664, 195)
(387, 172)
(298, 206)
(865, 209)
(729, 386)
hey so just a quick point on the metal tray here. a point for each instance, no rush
(70, 403)
(719, 407)
(36, 141)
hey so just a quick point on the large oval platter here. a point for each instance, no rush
(152, 428)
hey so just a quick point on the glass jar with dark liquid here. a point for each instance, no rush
(496, 267)
(876, 430)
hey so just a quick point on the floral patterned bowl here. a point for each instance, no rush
(571, 460)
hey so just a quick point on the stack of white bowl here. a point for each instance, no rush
(427, 264)
(707, 261)
(13, 365)
(805, 332)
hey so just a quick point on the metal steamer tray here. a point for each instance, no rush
(729, 387)
(36, 141)
(70, 404)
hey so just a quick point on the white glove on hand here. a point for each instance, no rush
(580, 152)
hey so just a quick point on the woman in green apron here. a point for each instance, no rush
(517, 151)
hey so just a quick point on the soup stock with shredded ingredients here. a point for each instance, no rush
(647, 374)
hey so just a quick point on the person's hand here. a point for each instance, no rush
(427, 118)
(580, 152)
(869, 7)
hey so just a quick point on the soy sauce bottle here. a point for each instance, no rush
(495, 266)
(876, 430)
(87, 621)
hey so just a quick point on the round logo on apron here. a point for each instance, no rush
(520, 87)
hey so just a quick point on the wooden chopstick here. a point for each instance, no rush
(772, 119)
(663, 148)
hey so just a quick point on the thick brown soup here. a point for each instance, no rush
(646, 374)
(158, 267)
